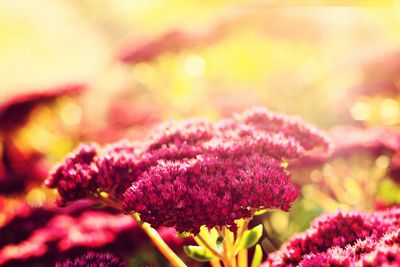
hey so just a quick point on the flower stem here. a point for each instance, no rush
(203, 242)
(242, 258)
(242, 254)
(215, 262)
(224, 244)
(229, 239)
(160, 244)
(242, 228)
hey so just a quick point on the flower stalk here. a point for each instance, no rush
(160, 244)
(168, 253)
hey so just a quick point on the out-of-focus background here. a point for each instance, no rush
(179, 59)
(83, 71)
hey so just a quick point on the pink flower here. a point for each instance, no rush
(92, 259)
(375, 141)
(209, 191)
(350, 141)
(342, 239)
(195, 172)
(66, 233)
(368, 252)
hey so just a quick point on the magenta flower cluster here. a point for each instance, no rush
(369, 252)
(344, 239)
(92, 259)
(195, 172)
(350, 141)
(64, 233)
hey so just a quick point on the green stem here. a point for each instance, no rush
(152, 234)
(160, 243)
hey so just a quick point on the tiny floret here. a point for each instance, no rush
(92, 259)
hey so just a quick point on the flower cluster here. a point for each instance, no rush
(195, 173)
(22, 220)
(209, 191)
(362, 146)
(63, 234)
(45, 234)
(367, 252)
(343, 239)
(89, 171)
(349, 141)
(375, 141)
(91, 259)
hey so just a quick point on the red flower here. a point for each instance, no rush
(91, 259)
(195, 172)
(343, 239)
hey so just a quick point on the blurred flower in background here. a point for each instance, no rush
(101, 71)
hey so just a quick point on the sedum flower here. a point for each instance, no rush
(368, 252)
(209, 191)
(350, 141)
(68, 233)
(92, 259)
(195, 172)
(342, 239)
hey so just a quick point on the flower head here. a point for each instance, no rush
(74, 178)
(209, 191)
(234, 170)
(371, 251)
(342, 239)
(67, 233)
(195, 172)
(91, 259)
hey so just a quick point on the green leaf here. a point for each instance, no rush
(260, 212)
(251, 237)
(183, 235)
(257, 257)
(198, 253)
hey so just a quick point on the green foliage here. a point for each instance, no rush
(183, 235)
(389, 191)
(257, 257)
(198, 253)
(251, 237)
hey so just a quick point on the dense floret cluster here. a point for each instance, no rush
(195, 172)
(368, 252)
(344, 239)
(92, 259)
(209, 191)
(64, 233)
